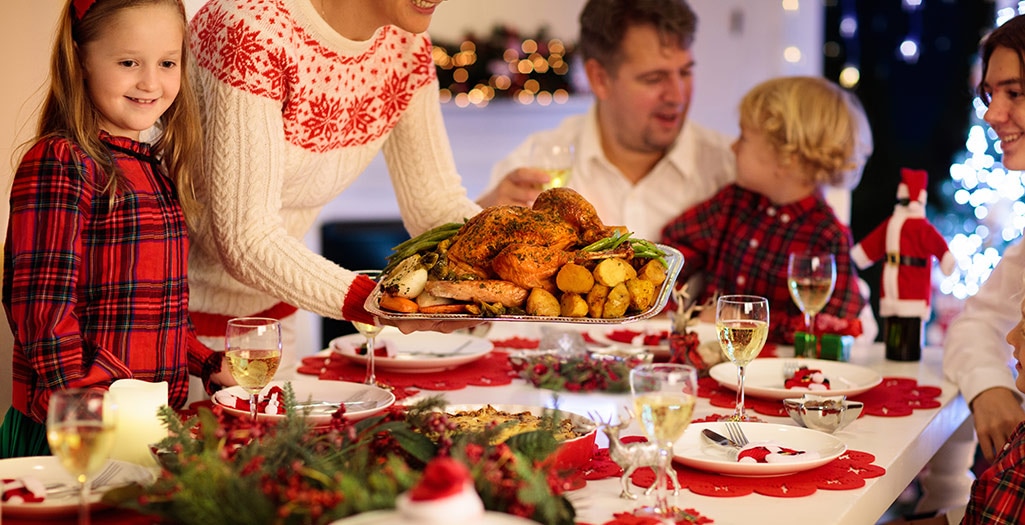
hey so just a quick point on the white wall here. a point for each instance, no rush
(739, 43)
(26, 32)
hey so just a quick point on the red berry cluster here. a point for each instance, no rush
(577, 374)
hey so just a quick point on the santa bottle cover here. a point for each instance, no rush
(907, 242)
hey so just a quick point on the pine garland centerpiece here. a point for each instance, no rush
(218, 468)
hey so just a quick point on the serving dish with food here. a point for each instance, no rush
(555, 261)
(576, 433)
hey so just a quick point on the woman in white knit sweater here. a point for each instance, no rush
(298, 97)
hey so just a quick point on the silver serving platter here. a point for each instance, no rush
(674, 261)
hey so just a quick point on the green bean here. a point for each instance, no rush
(645, 249)
(423, 242)
(439, 232)
(645, 246)
(608, 243)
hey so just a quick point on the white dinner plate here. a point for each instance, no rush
(694, 450)
(764, 378)
(394, 517)
(418, 352)
(48, 470)
(372, 399)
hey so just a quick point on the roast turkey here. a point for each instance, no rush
(526, 246)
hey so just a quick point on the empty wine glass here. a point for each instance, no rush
(810, 279)
(742, 322)
(370, 332)
(253, 348)
(664, 396)
(80, 427)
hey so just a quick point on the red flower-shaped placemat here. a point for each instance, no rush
(520, 343)
(625, 518)
(492, 369)
(849, 471)
(627, 336)
(895, 396)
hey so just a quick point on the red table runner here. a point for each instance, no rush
(895, 396)
(628, 336)
(625, 518)
(492, 369)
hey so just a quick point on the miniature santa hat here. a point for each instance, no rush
(913, 185)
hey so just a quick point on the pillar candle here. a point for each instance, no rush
(138, 425)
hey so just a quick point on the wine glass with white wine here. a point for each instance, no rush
(370, 332)
(742, 322)
(253, 348)
(554, 157)
(664, 395)
(80, 427)
(811, 278)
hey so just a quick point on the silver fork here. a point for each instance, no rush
(112, 469)
(790, 367)
(736, 433)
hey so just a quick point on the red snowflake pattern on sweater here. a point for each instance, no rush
(329, 100)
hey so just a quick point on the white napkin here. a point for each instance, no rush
(29, 483)
(227, 398)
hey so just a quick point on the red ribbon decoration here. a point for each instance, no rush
(79, 8)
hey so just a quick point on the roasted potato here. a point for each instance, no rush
(653, 271)
(542, 303)
(572, 305)
(427, 299)
(574, 278)
(642, 293)
(617, 302)
(613, 271)
(596, 300)
(407, 279)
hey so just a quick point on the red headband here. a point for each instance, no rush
(79, 8)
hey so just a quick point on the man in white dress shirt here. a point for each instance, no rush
(637, 159)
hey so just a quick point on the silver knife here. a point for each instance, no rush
(718, 438)
(732, 449)
(332, 406)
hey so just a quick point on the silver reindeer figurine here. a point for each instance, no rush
(631, 456)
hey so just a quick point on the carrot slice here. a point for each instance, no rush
(455, 308)
(399, 304)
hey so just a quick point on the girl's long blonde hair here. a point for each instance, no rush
(68, 112)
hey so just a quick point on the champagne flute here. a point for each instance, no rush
(253, 348)
(664, 396)
(80, 427)
(810, 279)
(742, 322)
(554, 157)
(370, 332)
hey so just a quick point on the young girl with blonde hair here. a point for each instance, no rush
(95, 263)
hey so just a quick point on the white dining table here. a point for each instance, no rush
(901, 445)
